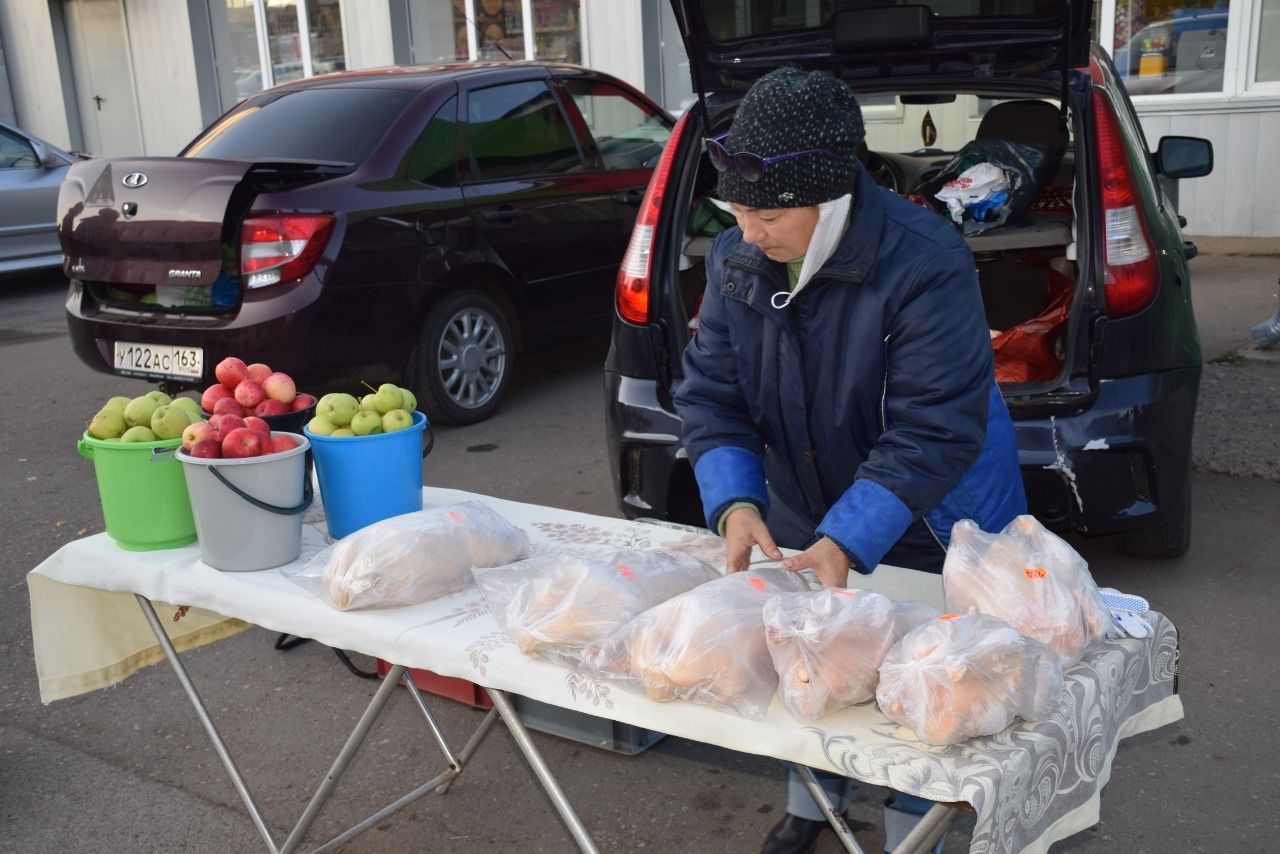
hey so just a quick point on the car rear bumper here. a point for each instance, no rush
(1120, 465)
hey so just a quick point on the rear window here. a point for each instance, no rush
(340, 125)
(727, 20)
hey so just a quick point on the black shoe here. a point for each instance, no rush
(792, 835)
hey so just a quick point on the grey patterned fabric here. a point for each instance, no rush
(791, 110)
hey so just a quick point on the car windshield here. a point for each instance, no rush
(339, 125)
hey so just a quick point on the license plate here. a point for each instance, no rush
(158, 360)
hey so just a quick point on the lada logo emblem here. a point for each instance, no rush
(134, 180)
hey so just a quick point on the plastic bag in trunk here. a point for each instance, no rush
(1031, 351)
(706, 646)
(967, 675)
(553, 606)
(1031, 579)
(413, 558)
(827, 645)
(970, 188)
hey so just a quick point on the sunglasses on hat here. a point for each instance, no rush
(749, 165)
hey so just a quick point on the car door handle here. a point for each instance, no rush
(631, 197)
(500, 215)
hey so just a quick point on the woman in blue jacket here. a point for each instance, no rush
(839, 395)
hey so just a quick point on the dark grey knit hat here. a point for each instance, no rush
(790, 110)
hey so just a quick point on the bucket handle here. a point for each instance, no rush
(307, 495)
(429, 440)
(86, 450)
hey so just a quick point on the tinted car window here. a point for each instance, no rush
(627, 134)
(340, 125)
(434, 156)
(16, 153)
(518, 129)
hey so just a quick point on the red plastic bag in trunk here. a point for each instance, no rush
(1028, 352)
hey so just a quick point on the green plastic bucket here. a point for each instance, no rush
(143, 492)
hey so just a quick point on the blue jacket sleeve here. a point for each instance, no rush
(934, 409)
(722, 443)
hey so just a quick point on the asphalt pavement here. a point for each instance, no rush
(128, 769)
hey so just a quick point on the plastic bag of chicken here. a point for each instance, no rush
(413, 558)
(555, 605)
(967, 675)
(705, 646)
(1031, 579)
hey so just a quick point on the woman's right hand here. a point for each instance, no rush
(743, 530)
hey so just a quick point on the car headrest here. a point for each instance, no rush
(1027, 122)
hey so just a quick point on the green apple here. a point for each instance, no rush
(410, 402)
(159, 397)
(168, 422)
(321, 426)
(189, 406)
(342, 432)
(339, 409)
(138, 434)
(107, 424)
(396, 419)
(387, 398)
(117, 403)
(364, 423)
(139, 411)
(366, 404)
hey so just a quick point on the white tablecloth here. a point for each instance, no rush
(1030, 785)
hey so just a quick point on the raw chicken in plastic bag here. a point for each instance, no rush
(1031, 579)
(706, 646)
(966, 675)
(414, 557)
(555, 605)
(827, 646)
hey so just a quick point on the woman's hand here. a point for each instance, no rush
(826, 559)
(744, 529)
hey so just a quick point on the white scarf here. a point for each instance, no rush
(832, 217)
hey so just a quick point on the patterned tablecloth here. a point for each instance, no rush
(1030, 785)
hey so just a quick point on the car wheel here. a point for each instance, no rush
(465, 359)
(1166, 540)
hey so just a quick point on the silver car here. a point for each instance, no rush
(31, 171)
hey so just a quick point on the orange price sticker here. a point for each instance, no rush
(454, 516)
(1035, 572)
(843, 591)
(758, 583)
(948, 616)
(626, 572)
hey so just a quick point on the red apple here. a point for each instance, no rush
(257, 372)
(231, 372)
(227, 423)
(207, 448)
(280, 386)
(242, 442)
(257, 425)
(282, 442)
(226, 406)
(249, 394)
(301, 402)
(212, 395)
(194, 433)
(270, 406)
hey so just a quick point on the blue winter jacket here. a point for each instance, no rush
(867, 409)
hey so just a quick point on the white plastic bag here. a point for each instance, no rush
(1031, 579)
(706, 646)
(554, 605)
(414, 557)
(975, 184)
(827, 646)
(961, 676)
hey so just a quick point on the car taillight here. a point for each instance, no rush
(281, 247)
(635, 274)
(1131, 274)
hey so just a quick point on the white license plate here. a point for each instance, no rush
(158, 360)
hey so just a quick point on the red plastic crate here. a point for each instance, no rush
(444, 686)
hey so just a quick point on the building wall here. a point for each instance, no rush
(6, 96)
(164, 74)
(366, 34)
(613, 39)
(27, 32)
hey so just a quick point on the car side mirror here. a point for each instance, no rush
(44, 154)
(1184, 157)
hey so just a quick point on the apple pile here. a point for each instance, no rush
(229, 436)
(151, 417)
(252, 390)
(387, 409)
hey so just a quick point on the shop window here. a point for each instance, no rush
(1177, 47)
(628, 135)
(556, 35)
(518, 130)
(324, 19)
(433, 160)
(284, 43)
(1267, 69)
(499, 29)
(269, 42)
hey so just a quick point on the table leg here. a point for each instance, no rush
(210, 729)
(834, 817)
(928, 830)
(521, 736)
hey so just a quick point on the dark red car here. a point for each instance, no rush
(425, 223)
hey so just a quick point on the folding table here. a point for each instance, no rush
(1029, 785)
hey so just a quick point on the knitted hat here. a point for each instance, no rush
(790, 110)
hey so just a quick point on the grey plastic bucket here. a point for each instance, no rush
(248, 512)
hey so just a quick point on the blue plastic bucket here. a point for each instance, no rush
(365, 479)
